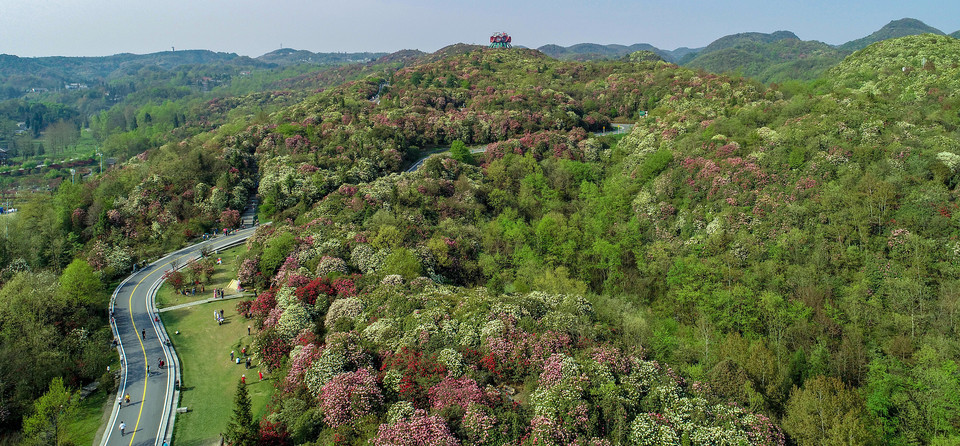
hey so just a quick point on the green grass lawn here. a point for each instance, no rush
(91, 415)
(222, 275)
(209, 377)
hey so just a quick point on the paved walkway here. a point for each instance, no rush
(204, 301)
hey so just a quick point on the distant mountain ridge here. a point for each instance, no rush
(594, 51)
(768, 57)
(21, 73)
(897, 28)
(733, 40)
(290, 56)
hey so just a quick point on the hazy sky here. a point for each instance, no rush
(103, 27)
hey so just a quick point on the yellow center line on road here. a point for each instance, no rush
(140, 338)
(146, 363)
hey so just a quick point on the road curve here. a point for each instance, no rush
(142, 338)
(615, 129)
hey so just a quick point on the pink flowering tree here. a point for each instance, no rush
(230, 218)
(455, 392)
(349, 396)
(418, 429)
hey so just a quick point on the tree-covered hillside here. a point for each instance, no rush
(787, 250)
(747, 259)
(892, 30)
(290, 56)
(735, 40)
(592, 51)
(777, 60)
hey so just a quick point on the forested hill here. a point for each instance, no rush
(593, 51)
(781, 56)
(792, 250)
(892, 30)
(747, 259)
(289, 56)
(773, 57)
(739, 39)
(54, 72)
(766, 57)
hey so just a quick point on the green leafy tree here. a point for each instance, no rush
(242, 431)
(79, 282)
(51, 413)
(460, 152)
(403, 262)
(826, 411)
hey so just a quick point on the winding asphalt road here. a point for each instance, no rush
(153, 393)
(615, 129)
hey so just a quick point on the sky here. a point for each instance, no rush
(33, 28)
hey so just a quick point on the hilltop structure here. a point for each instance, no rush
(500, 40)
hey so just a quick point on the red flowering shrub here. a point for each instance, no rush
(345, 287)
(309, 292)
(174, 278)
(261, 307)
(272, 348)
(273, 434)
(243, 307)
(297, 280)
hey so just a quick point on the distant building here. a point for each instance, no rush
(75, 86)
(500, 40)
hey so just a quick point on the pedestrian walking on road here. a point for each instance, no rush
(143, 333)
(123, 426)
(127, 399)
(119, 402)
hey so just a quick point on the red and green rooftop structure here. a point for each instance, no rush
(500, 40)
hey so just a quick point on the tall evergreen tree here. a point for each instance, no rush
(242, 431)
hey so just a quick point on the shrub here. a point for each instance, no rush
(349, 396)
(418, 429)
